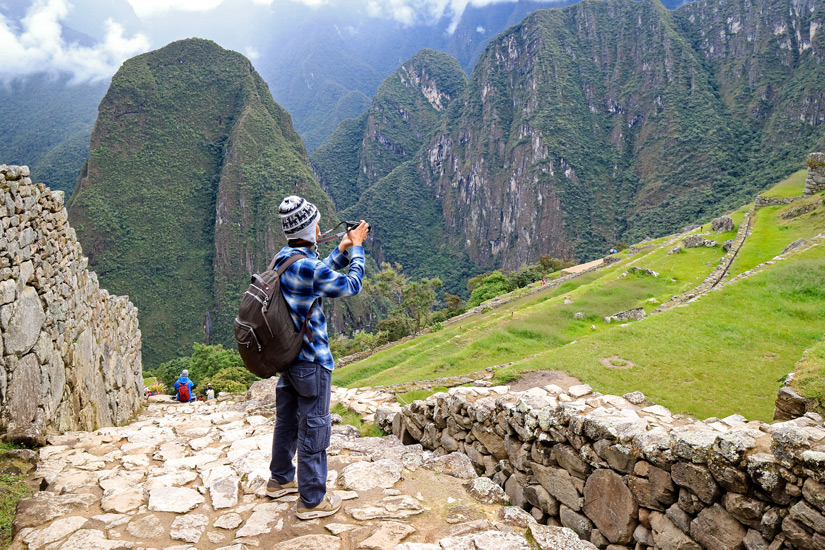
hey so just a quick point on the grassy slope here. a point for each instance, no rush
(723, 354)
(789, 187)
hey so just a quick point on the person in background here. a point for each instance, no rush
(210, 392)
(183, 388)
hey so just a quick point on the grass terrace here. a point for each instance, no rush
(726, 353)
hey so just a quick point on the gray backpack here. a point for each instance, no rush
(268, 341)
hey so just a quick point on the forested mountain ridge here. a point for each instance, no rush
(369, 167)
(401, 117)
(608, 121)
(177, 203)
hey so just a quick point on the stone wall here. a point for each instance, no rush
(771, 201)
(815, 182)
(69, 351)
(625, 473)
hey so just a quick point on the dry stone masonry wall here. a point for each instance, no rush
(625, 473)
(815, 182)
(69, 351)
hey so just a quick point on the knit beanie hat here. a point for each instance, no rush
(299, 217)
(185, 373)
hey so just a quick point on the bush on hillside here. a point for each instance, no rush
(396, 328)
(493, 285)
(230, 379)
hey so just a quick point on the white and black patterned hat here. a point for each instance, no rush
(299, 217)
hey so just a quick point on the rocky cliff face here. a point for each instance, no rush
(177, 204)
(406, 108)
(371, 168)
(608, 121)
(70, 353)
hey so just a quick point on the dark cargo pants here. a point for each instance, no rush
(302, 423)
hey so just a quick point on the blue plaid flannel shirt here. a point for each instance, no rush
(310, 278)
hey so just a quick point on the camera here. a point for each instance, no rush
(354, 225)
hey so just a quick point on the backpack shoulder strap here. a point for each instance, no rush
(288, 262)
(283, 267)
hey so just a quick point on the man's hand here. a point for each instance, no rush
(356, 237)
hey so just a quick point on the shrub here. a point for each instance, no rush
(395, 327)
(493, 285)
(157, 387)
(230, 379)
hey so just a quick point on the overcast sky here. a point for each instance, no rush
(33, 36)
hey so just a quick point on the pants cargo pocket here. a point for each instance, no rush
(317, 434)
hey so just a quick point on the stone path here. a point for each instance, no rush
(187, 476)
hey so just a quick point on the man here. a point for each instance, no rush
(183, 387)
(303, 391)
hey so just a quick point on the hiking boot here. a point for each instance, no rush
(328, 506)
(277, 490)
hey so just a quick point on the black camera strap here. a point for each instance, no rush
(348, 226)
(326, 237)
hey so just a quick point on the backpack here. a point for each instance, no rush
(183, 393)
(268, 341)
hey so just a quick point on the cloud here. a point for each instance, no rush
(152, 8)
(410, 12)
(480, 29)
(252, 53)
(38, 46)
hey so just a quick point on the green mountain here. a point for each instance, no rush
(369, 167)
(45, 122)
(177, 203)
(595, 123)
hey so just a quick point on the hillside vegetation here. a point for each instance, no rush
(725, 353)
(592, 124)
(177, 203)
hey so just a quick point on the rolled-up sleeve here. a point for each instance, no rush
(328, 283)
(337, 259)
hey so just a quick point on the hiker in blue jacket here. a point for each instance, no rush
(184, 381)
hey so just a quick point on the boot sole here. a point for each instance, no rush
(281, 492)
(316, 514)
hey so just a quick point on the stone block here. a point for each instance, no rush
(579, 523)
(559, 483)
(754, 541)
(8, 291)
(611, 506)
(814, 493)
(515, 492)
(667, 536)
(716, 529)
(23, 327)
(540, 497)
(806, 514)
(729, 478)
(797, 534)
(747, 510)
(569, 459)
(697, 479)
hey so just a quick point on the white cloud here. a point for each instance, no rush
(411, 12)
(152, 8)
(251, 53)
(480, 29)
(38, 46)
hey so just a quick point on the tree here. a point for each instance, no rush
(411, 299)
(494, 284)
(453, 302)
